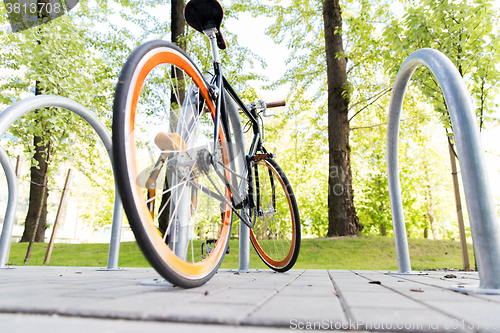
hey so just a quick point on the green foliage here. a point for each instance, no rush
(96, 200)
(56, 58)
(300, 151)
(370, 166)
(465, 32)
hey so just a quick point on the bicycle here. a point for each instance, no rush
(176, 169)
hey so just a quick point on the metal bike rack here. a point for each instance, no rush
(7, 118)
(485, 228)
(10, 213)
(244, 232)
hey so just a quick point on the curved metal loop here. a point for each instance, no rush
(485, 228)
(10, 212)
(17, 110)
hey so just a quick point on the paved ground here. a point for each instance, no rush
(62, 299)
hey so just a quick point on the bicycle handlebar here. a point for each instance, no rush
(275, 104)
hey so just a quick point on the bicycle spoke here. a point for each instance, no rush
(173, 214)
(164, 192)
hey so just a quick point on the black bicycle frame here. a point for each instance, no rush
(222, 84)
(218, 85)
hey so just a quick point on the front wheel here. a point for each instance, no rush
(163, 148)
(276, 233)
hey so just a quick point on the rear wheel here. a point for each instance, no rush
(276, 233)
(163, 148)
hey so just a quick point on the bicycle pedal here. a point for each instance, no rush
(205, 246)
(260, 157)
(170, 141)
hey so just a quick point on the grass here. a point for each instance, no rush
(364, 253)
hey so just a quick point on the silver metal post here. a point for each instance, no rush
(485, 228)
(10, 213)
(395, 107)
(116, 233)
(244, 232)
(18, 109)
(211, 34)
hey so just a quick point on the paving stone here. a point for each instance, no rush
(472, 311)
(315, 272)
(437, 294)
(42, 304)
(402, 320)
(300, 291)
(261, 285)
(351, 278)
(111, 293)
(236, 296)
(348, 278)
(379, 300)
(491, 298)
(284, 310)
(211, 288)
(444, 282)
(230, 314)
(341, 273)
(365, 287)
(315, 282)
(15, 323)
(424, 292)
(135, 306)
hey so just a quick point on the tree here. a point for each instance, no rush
(53, 58)
(341, 212)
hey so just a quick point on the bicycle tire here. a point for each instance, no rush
(159, 76)
(276, 235)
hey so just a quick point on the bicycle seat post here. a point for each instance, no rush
(212, 36)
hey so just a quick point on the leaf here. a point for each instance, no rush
(375, 282)
(417, 290)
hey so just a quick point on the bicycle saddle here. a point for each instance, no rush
(206, 14)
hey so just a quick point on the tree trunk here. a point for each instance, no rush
(177, 23)
(383, 229)
(37, 176)
(177, 36)
(36, 192)
(381, 207)
(342, 219)
(430, 203)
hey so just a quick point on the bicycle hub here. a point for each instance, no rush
(204, 160)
